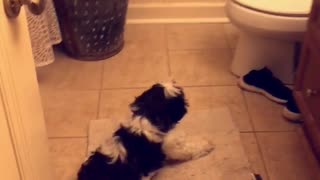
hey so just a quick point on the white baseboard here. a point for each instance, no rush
(144, 13)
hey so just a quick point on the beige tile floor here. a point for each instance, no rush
(198, 57)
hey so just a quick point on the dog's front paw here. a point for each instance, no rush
(182, 147)
(202, 148)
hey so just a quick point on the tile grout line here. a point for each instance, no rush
(68, 137)
(261, 154)
(98, 104)
(226, 37)
(167, 51)
(124, 88)
(229, 43)
(200, 86)
(198, 49)
(70, 90)
(255, 136)
(247, 109)
(186, 86)
(284, 131)
(100, 90)
(141, 87)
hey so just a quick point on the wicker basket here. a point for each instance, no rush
(92, 29)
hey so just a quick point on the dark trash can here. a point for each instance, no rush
(92, 29)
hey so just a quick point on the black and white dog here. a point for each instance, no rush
(137, 149)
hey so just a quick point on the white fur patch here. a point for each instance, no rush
(134, 108)
(171, 90)
(180, 146)
(141, 126)
(114, 149)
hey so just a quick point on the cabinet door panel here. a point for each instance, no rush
(307, 85)
(311, 84)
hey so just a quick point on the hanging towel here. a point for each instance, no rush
(44, 33)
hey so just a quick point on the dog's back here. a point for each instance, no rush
(97, 167)
(142, 157)
(145, 155)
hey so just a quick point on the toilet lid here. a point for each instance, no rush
(279, 7)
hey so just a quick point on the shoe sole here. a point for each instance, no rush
(291, 116)
(251, 88)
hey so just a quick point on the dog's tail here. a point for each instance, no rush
(256, 177)
(171, 90)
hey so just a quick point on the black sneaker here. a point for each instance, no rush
(291, 111)
(263, 82)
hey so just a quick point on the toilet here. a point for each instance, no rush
(271, 32)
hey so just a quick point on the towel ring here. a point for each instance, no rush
(12, 7)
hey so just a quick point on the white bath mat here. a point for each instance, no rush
(227, 162)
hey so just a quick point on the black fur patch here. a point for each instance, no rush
(142, 158)
(97, 168)
(257, 176)
(161, 112)
(144, 155)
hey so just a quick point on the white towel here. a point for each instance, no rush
(44, 33)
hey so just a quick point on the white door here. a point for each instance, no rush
(8, 164)
(23, 139)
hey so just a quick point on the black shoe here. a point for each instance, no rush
(291, 111)
(263, 82)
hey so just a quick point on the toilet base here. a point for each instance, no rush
(255, 52)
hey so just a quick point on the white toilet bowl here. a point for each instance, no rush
(269, 32)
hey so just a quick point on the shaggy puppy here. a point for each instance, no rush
(139, 148)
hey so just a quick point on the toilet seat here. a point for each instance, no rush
(269, 31)
(266, 24)
(279, 7)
